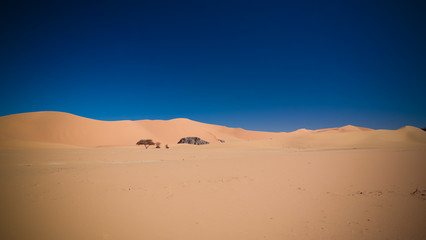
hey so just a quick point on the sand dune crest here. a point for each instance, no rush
(68, 129)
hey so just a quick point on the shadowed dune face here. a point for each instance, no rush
(63, 128)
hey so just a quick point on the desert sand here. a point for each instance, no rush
(67, 177)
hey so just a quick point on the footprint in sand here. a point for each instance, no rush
(418, 193)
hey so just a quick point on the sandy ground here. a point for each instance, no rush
(212, 192)
(67, 177)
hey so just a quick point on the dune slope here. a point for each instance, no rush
(31, 129)
(64, 128)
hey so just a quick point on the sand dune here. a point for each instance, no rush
(64, 128)
(347, 128)
(336, 183)
(405, 137)
(67, 129)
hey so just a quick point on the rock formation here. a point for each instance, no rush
(193, 140)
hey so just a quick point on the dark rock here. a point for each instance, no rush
(424, 129)
(193, 140)
(221, 141)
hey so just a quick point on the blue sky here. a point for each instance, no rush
(259, 65)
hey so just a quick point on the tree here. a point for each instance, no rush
(145, 142)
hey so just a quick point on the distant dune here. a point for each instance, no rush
(339, 138)
(59, 129)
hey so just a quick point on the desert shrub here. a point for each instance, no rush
(157, 145)
(145, 142)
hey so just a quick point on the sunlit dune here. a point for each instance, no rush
(68, 129)
(67, 177)
(58, 127)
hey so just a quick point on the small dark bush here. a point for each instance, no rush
(145, 142)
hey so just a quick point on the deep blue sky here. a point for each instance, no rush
(259, 65)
